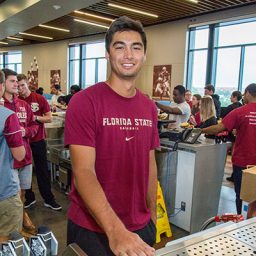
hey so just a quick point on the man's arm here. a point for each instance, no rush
(168, 109)
(120, 239)
(214, 129)
(152, 185)
(18, 153)
(46, 118)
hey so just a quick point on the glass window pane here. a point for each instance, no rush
(228, 35)
(199, 38)
(94, 50)
(74, 52)
(198, 74)
(13, 58)
(1, 59)
(249, 74)
(102, 70)
(19, 69)
(89, 71)
(10, 66)
(74, 72)
(227, 73)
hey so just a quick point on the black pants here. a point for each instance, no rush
(237, 173)
(96, 244)
(42, 173)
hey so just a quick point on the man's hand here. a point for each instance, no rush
(23, 131)
(125, 243)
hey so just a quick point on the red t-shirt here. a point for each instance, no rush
(123, 131)
(12, 132)
(243, 119)
(39, 106)
(26, 120)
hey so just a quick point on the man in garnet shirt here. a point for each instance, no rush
(11, 146)
(111, 131)
(41, 110)
(243, 119)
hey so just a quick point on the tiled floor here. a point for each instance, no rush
(56, 221)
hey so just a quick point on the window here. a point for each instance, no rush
(87, 64)
(218, 56)
(11, 60)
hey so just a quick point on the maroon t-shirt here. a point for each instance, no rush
(12, 132)
(39, 106)
(123, 131)
(243, 119)
(26, 120)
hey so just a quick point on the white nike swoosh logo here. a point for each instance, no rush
(127, 139)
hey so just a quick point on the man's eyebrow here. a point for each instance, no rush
(118, 42)
(122, 43)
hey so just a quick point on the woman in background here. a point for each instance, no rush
(195, 118)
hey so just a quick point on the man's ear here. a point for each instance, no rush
(107, 55)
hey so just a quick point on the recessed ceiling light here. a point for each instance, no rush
(34, 35)
(55, 28)
(14, 38)
(91, 23)
(3, 42)
(56, 7)
(193, 1)
(133, 10)
(93, 15)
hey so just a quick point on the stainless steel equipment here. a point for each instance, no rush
(191, 179)
(232, 239)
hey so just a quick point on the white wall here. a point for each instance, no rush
(166, 45)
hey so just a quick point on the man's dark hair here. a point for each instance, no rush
(2, 77)
(121, 24)
(237, 94)
(251, 88)
(181, 89)
(21, 77)
(8, 72)
(210, 87)
(75, 88)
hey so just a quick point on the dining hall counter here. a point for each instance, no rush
(191, 179)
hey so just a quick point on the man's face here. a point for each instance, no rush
(207, 92)
(11, 85)
(177, 98)
(23, 88)
(2, 87)
(126, 54)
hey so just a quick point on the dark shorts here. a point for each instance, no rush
(96, 244)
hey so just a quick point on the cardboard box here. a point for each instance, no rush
(248, 187)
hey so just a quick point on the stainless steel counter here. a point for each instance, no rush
(231, 239)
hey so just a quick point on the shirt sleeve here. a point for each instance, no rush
(80, 122)
(230, 121)
(12, 132)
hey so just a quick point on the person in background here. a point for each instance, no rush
(195, 118)
(11, 147)
(188, 97)
(29, 129)
(41, 110)
(209, 90)
(40, 90)
(56, 91)
(235, 98)
(73, 90)
(243, 119)
(207, 114)
(179, 110)
(112, 142)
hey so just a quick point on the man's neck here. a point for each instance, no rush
(26, 95)
(9, 96)
(125, 88)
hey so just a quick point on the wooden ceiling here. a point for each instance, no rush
(167, 10)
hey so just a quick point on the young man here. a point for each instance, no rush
(111, 131)
(179, 110)
(243, 119)
(209, 90)
(41, 110)
(11, 146)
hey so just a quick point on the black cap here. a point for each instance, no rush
(210, 87)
